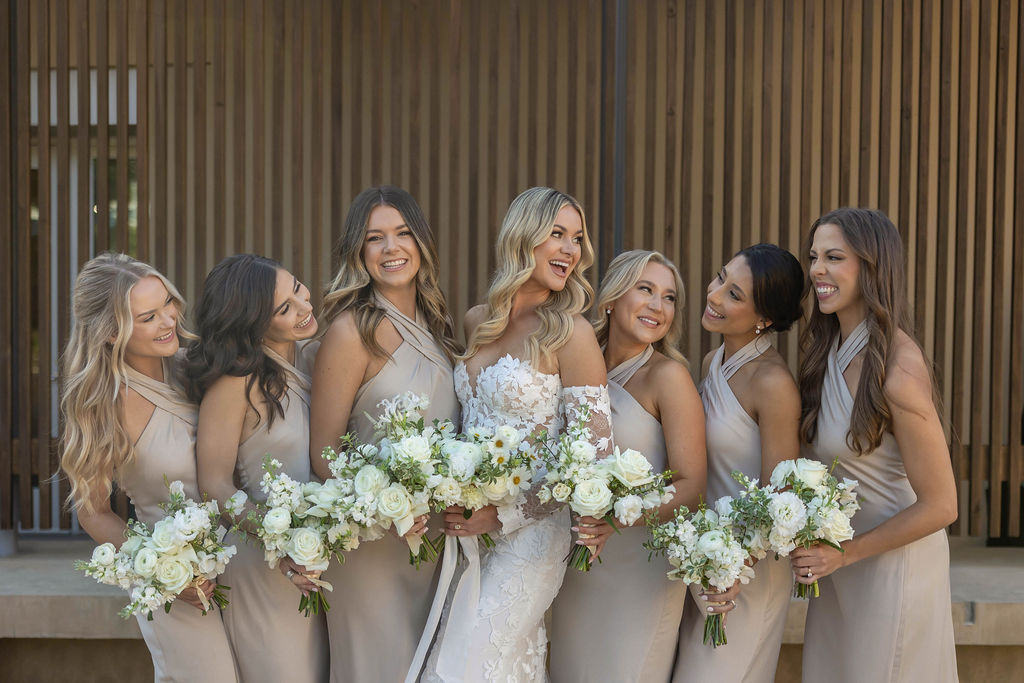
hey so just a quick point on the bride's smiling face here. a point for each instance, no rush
(557, 256)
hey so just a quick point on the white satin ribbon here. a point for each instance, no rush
(451, 659)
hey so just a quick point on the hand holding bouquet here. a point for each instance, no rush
(702, 549)
(184, 550)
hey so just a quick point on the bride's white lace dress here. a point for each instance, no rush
(492, 624)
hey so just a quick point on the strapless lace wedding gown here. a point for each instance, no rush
(492, 622)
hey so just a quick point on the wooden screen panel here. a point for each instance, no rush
(8, 257)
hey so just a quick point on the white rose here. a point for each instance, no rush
(415, 447)
(369, 479)
(145, 562)
(592, 497)
(496, 490)
(836, 526)
(277, 520)
(104, 554)
(561, 492)
(173, 572)
(630, 467)
(165, 536)
(544, 494)
(810, 472)
(629, 509)
(582, 451)
(306, 547)
(394, 503)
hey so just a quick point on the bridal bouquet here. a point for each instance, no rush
(183, 550)
(814, 508)
(408, 458)
(306, 522)
(620, 487)
(702, 549)
(481, 469)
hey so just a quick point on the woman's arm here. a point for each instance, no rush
(776, 402)
(682, 423)
(221, 418)
(338, 372)
(922, 444)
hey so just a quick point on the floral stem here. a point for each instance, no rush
(714, 630)
(314, 603)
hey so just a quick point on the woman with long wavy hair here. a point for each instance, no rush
(752, 411)
(532, 362)
(127, 419)
(638, 321)
(249, 371)
(867, 392)
(388, 332)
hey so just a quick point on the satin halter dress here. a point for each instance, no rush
(886, 617)
(754, 628)
(620, 621)
(185, 645)
(273, 641)
(380, 602)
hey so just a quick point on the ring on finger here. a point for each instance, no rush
(458, 527)
(290, 573)
(809, 573)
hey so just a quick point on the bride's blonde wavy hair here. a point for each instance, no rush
(622, 275)
(526, 226)
(94, 443)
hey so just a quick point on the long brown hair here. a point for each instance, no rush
(874, 240)
(352, 287)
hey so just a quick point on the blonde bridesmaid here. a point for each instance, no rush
(388, 332)
(249, 369)
(620, 621)
(128, 420)
(884, 611)
(753, 412)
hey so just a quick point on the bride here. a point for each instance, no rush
(532, 362)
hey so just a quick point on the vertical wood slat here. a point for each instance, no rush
(101, 207)
(140, 25)
(197, 164)
(1016, 417)
(219, 226)
(41, 429)
(121, 79)
(162, 247)
(177, 217)
(23, 294)
(8, 166)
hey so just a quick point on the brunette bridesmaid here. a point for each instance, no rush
(128, 420)
(753, 412)
(620, 621)
(249, 369)
(389, 332)
(867, 390)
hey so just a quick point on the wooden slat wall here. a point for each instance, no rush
(256, 122)
(748, 119)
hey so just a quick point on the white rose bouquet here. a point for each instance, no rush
(183, 550)
(620, 487)
(408, 457)
(305, 522)
(808, 505)
(481, 469)
(702, 549)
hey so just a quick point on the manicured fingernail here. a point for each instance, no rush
(704, 598)
(711, 609)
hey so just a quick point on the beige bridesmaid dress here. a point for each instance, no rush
(620, 621)
(754, 628)
(185, 645)
(380, 602)
(272, 640)
(887, 617)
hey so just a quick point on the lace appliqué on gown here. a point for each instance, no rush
(521, 575)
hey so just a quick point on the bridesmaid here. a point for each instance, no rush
(249, 371)
(128, 420)
(639, 324)
(753, 412)
(388, 332)
(867, 391)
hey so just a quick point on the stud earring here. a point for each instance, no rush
(608, 311)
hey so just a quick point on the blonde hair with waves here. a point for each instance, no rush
(526, 226)
(94, 443)
(622, 275)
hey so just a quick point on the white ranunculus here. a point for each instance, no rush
(628, 509)
(561, 492)
(277, 520)
(173, 572)
(630, 467)
(507, 437)
(592, 497)
(394, 502)
(810, 472)
(104, 554)
(166, 537)
(145, 562)
(369, 479)
(306, 547)
(711, 543)
(582, 451)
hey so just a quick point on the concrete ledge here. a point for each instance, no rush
(42, 596)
